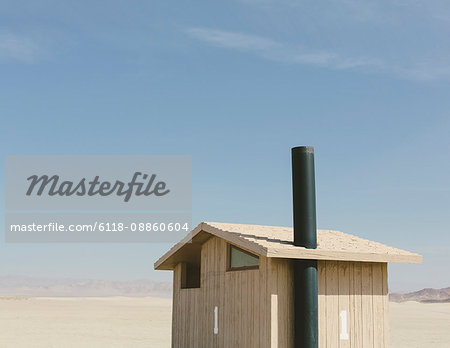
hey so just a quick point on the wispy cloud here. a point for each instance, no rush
(278, 51)
(231, 39)
(296, 54)
(17, 48)
(426, 71)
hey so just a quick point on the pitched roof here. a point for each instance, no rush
(272, 241)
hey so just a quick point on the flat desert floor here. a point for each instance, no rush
(420, 325)
(85, 322)
(145, 322)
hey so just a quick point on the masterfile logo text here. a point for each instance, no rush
(53, 186)
(98, 198)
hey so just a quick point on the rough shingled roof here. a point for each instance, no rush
(272, 241)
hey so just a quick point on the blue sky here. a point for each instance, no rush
(236, 84)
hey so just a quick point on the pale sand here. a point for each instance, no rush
(145, 322)
(424, 325)
(85, 322)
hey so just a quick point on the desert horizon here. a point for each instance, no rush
(26, 286)
(52, 312)
(118, 321)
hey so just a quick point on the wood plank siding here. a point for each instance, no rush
(255, 307)
(359, 288)
(241, 298)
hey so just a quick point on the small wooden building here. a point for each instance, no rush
(233, 287)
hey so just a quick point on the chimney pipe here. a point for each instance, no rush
(304, 192)
(305, 235)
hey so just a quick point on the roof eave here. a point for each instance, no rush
(333, 255)
(166, 262)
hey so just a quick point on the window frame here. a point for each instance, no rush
(186, 280)
(243, 268)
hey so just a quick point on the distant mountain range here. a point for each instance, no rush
(425, 295)
(48, 287)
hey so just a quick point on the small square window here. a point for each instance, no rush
(240, 259)
(190, 276)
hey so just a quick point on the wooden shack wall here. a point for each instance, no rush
(241, 297)
(255, 307)
(359, 288)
